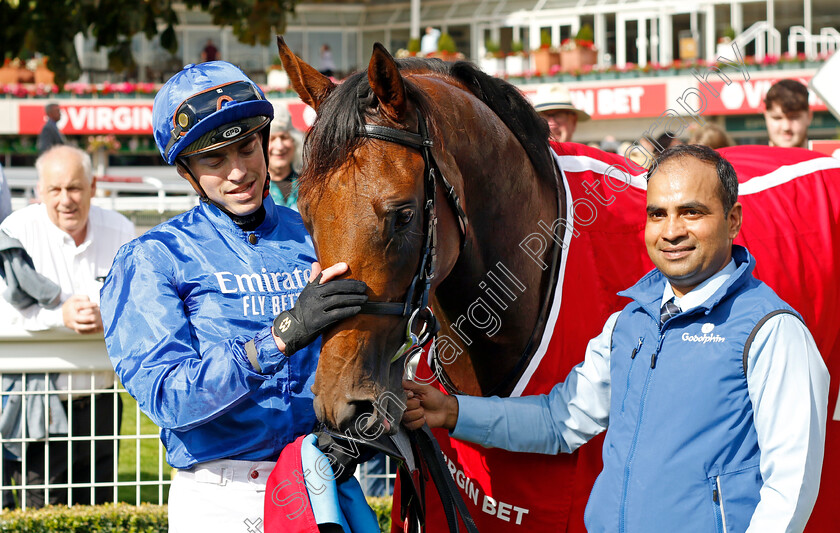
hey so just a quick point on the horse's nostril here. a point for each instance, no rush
(353, 411)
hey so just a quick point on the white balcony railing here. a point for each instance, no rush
(767, 39)
(118, 192)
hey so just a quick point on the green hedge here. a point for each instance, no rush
(120, 518)
(382, 507)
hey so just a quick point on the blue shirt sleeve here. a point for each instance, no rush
(573, 412)
(156, 355)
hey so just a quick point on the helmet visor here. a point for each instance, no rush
(201, 105)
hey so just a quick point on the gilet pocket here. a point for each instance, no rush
(735, 494)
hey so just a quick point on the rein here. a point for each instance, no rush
(429, 462)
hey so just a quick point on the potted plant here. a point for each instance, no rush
(446, 48)
(99, 146)
(492, 63)
(26, 71)
(413, 46)
(792, 61)
(8, 72)
(630, 70)
(515, 63)
(608, 73)
(43, 74)
(545, 56)
(724, 44)
(580, 51)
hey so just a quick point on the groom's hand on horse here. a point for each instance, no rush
(320, 304)
(428, 405)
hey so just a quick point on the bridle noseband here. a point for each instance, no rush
(416, 301)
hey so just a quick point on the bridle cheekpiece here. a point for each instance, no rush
(416, 302)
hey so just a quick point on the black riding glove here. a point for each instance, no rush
(318, 307)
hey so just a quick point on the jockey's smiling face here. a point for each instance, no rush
(688, 234)
(233, 176)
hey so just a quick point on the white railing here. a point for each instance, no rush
(138, 472)
(377, 476)
(30, 357)
(798, 34)
(829, 40)
(768, 40)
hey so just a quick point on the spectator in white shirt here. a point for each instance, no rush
(429, 41)
(72, 244)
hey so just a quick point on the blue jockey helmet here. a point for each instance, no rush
(205, 107)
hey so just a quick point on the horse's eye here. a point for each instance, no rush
(403, 218)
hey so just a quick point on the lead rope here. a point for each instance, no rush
(453, 503)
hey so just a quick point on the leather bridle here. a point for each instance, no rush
(415, 304)
(416, 301)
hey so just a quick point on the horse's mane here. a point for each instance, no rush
(332, 139)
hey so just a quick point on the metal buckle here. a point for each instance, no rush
(411, 340)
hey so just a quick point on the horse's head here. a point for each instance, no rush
(363, 200)
(397, 156)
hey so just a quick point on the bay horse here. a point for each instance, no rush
(363, 199)
(424, 173)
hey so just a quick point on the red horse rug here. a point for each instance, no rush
(791, 208)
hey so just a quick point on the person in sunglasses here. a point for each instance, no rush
(209, 321)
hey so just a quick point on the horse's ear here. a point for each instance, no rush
(312, 86)
(387, 83)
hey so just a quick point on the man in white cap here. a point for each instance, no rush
(282, 148)
(554, 104)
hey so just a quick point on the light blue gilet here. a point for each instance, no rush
(681, 452)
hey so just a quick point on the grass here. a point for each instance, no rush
(149, 459)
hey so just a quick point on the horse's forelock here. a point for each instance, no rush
(333, 138)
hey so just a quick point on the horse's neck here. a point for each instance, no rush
(492, 299)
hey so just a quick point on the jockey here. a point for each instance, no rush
(188, 307)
